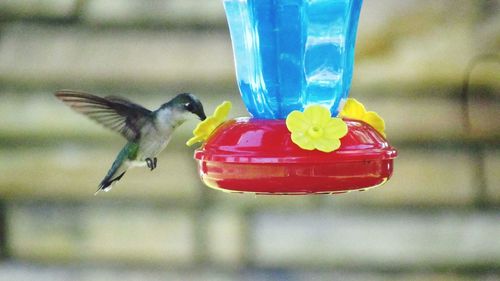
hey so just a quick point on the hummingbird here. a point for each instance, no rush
(147, 132)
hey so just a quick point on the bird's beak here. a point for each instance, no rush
(201, 114)
(198, 110)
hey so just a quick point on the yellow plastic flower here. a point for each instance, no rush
(316, 129)
(205, 128)
(353, 109)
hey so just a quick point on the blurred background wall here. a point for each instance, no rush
(437, 219)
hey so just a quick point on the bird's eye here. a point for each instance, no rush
(189, 106)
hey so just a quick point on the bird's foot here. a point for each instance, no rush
(152, 163)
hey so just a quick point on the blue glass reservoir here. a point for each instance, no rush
(292, 53)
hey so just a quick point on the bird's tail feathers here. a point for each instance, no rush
(107, 183)
(114, 174)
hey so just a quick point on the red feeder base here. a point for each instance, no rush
(258, 156)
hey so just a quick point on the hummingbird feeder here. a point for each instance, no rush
(294, 63)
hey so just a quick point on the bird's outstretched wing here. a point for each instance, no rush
(115, 113)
